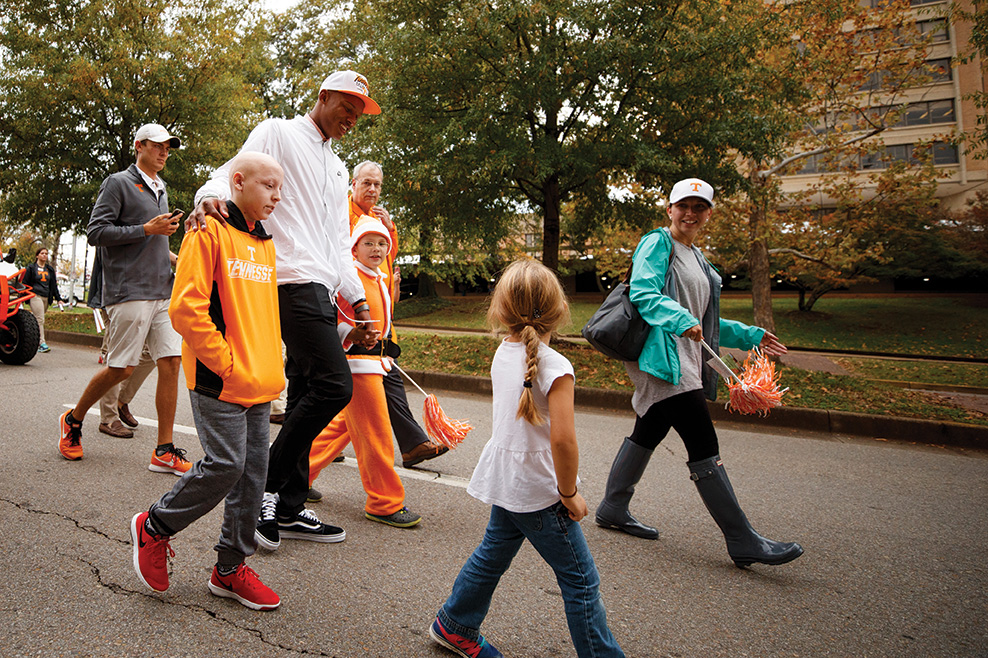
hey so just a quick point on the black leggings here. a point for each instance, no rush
(688, 413)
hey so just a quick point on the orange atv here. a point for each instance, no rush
(19, 332)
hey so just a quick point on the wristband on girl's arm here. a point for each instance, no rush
(562, 495)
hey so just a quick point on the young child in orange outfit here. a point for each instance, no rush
(366, 423)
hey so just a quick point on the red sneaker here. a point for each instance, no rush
(151, 553)
(70, 444)
(243, 585)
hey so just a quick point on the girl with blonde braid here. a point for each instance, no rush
(528, 473)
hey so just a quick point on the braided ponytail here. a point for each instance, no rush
(526, 405)
(528, 302)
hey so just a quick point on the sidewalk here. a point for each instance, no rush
(838, 423)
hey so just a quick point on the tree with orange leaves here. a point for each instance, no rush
(855, 65)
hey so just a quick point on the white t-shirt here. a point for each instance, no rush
(515, 470)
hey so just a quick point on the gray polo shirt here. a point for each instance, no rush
(135, 266)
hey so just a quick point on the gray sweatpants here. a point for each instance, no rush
(235, 440)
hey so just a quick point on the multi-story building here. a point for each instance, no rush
(941, 107)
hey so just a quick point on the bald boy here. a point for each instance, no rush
(225, 306)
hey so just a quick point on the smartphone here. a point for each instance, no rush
(176, 213)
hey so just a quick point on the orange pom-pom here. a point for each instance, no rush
(757, 392)
(441, 428)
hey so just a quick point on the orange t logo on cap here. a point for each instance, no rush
(695, 186)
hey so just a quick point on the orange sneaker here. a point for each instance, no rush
(70, 445)
(173, 461)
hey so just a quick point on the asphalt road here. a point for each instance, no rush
(895, 561)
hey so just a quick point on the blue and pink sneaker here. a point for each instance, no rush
(462, 646)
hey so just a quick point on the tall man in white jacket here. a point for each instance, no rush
(311, 231)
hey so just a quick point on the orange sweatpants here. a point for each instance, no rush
(365, 423)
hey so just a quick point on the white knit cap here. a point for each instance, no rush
(367, 224)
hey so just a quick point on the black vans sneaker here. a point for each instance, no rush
(305, 525)
(266, 532)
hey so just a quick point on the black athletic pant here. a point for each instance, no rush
(319, 387)
(407, 431)
(689, 415)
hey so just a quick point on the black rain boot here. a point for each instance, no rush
(744, 545)
(629, 464)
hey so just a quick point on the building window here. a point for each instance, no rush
(809, 166)
(875, 80)
(942, 111)
(928, 112)
(939, 70)
(901, 152)
(936, 26)
(942, 154)
(883, 3)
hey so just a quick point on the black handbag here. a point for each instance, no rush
(617, 329)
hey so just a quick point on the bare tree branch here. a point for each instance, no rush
(765, 173)
(800, 254)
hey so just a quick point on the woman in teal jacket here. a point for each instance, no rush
(677, 292)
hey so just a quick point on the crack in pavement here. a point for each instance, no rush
(26, 507)
(117, 588)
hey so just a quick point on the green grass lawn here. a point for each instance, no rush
(954, 325)
(77, 320)
(471, 355)
(948, 325)
(948, 374)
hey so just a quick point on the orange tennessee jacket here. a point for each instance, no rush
(225, 306)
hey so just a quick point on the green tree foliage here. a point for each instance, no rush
(81, 77)
(859, 235)
(305, 49)
(491, 109)
(966, 233)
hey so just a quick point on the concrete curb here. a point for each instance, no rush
(897, 428)
(86, 340)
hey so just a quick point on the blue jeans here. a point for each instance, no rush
(560, 542)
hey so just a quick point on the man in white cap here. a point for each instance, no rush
(130, 225)
(311, 234)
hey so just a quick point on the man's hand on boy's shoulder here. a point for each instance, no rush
(210, 206)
